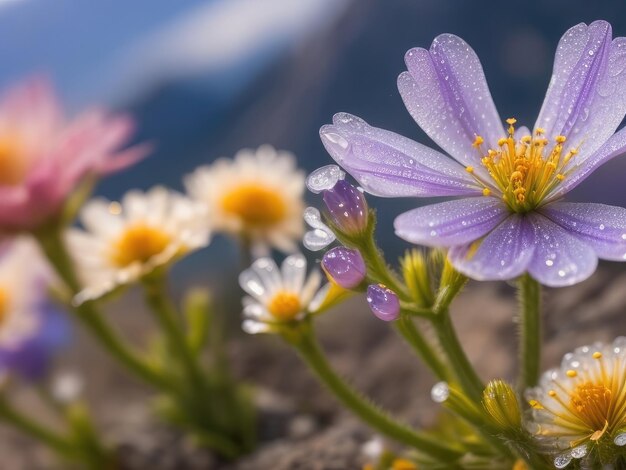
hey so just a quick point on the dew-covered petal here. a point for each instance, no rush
(260, 278)
(451, 223)
(446, 92)
(614, 147)
(502, 254)
(389, 165)
(560, 258)
(601, 226)
(586, 98)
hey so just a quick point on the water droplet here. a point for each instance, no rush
(324, 178)
(549, 262)
(336, 140)
(590, 53)
(440, 392)
(562, 461)
(317, 239)
(602, 227)
(620, 439)
(579, 452)
(313, 218)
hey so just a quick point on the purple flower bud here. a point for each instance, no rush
(347, 207)
(383, 302)
(345, 266)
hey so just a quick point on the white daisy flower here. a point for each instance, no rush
(125, 241)
(279, 295)
(256, 196)
(579, 409)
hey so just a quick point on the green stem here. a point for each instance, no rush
(377, 267)
(406, 328)
(468, 379)
(54, 248)
(26, 425)
(165, 314)
(311, 353)
(529, 292)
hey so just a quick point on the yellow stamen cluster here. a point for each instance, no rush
(13, 162)
(255, 205)
(139, 243)
(589, 403)
(284, 305)
(526, 171)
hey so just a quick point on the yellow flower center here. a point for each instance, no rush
(255, 204)
(284, 305)
(4, 305)
(525, 171)
(13, 161)
(139, 243)
(593, 404)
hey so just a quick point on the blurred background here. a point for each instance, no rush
(206, 78)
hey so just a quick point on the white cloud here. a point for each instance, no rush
(218, 35)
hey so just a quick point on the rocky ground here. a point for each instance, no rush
(302, 427)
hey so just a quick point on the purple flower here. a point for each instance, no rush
(347, 208)
(510, 218)
(344, 266)
(31, 329)
(383, 302)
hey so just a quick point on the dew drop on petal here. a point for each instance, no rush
(313, 217)
(317, 239)
(440, 392)
(324, 178)
(563, 460)
(579, 452)
(620, 439)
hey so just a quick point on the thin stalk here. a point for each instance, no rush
(529, 292)
(377, 267)
(51, 439)
(406, 328)
(54, 248)
(312, 354)
(467, 376)
(165, 314)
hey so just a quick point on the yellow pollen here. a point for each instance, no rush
(469, 169)
(139, 243)
(535, 404)
(478, 141)
(592, 402)
(255, 204)
(597, 355)
(519, 465)
(403, 464)
(13, 161)
(284, 305)
(526, 171)
(486, 191)
(571, 373)
(552, 393)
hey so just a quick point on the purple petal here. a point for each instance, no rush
(383, 302)
(345, 266)
(614, 147)
(602, 227)
(446, 93)
(451, 223)
(389, 165)
(560, 259)
(347, 208)
(503, 254)
(586, 99)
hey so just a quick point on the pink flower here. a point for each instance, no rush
(44, 155)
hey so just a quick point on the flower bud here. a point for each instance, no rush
(347, 208)
(383, 302)
(500, 402)
(344, 266)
